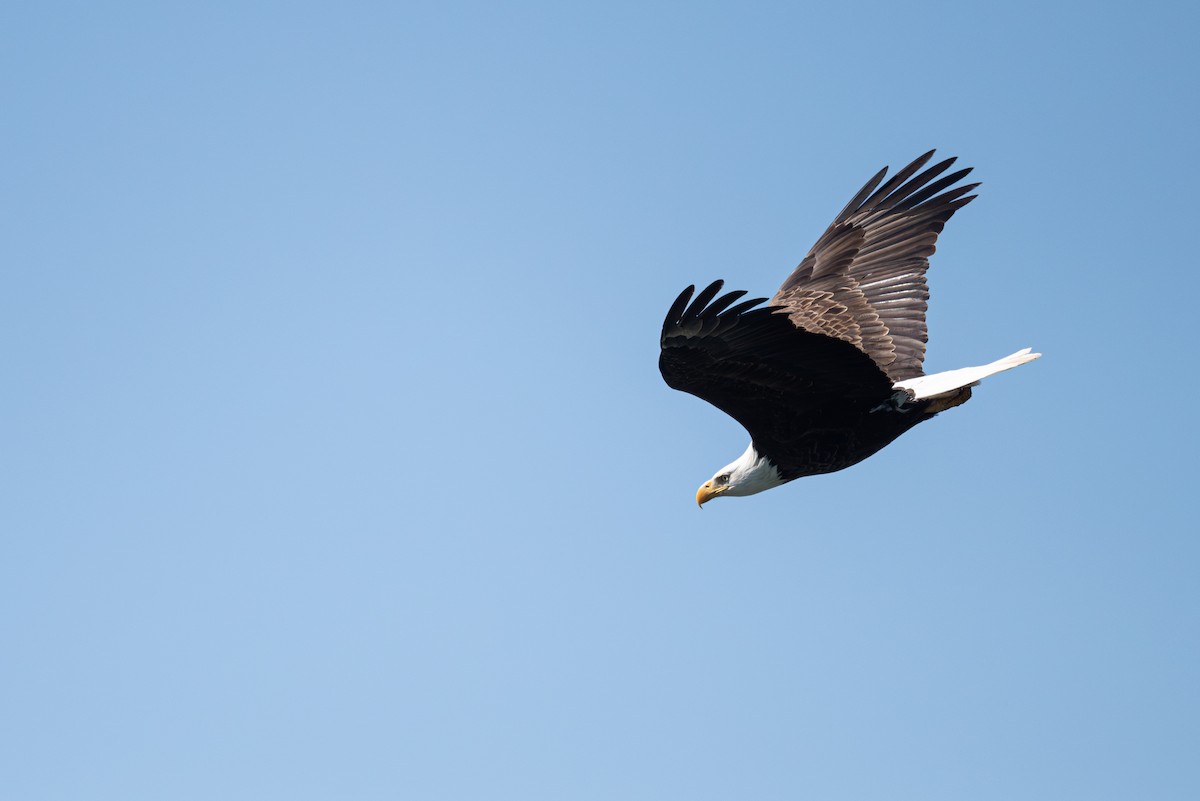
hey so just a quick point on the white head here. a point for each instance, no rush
(751, 473)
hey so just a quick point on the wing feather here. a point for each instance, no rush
(864, 280)
(759, 368)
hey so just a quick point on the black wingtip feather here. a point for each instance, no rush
(723, 302)
(902, 175)
(676, 310)
(917, 198)
(957, 192)
(900, 197)
(863, 193)
(741, 308)
(706, 295)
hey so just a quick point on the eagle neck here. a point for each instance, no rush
(754, 473)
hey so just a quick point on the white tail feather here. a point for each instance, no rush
(930, 386)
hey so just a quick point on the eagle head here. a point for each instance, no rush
(749, 474)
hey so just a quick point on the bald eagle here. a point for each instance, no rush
(830, 371)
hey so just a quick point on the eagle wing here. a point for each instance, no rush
(863, 282)
(760, 369)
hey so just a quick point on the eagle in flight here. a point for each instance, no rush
(830, 371)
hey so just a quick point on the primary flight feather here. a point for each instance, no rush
(830, 371)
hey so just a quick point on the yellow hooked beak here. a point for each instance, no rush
(707, 492)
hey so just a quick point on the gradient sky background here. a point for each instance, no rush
(336, 462)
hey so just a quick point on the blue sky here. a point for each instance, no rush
(337, 463)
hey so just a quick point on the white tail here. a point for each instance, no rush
(930, 386)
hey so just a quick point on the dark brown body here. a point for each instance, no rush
(841, 441)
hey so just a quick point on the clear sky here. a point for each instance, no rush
(336, 462)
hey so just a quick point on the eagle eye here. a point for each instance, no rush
(723, 478)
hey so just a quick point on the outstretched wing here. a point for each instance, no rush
(759, 368)
(864, 280)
